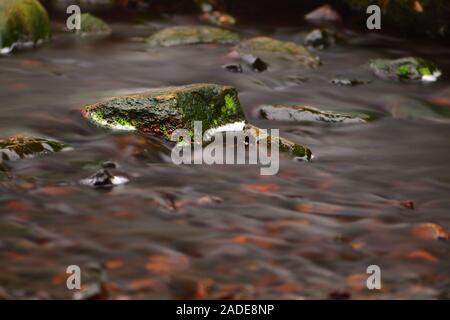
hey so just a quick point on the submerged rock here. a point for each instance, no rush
(104, 178)
(22, 23)
(310, 114)
(321, 38)
(185, 35)
(298, 152)
(233, 67)
(163, 110)
(91, 25)
(325, 13)
(409, 68)
(347, 82)
(266, 46)
(20, 147)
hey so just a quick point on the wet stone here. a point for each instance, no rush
(233, 67)
(267, 48)
(347, 82)
(307, 114)
(188, 35)
(325, 13)
(22, 23)
(91, 25)
(409, 68)
(161, 111)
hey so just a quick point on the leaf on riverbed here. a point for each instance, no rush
(428, 231)
(166, 264)
(263, 188)
(422, 255)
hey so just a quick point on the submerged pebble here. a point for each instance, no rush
(104, 178)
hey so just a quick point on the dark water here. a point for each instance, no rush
(225, 231)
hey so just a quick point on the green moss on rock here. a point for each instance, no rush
(163, 110)
(22, 21)
(91, 25)
(269, 47)
(186, 35)
(409, 68)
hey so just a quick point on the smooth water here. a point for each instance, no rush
(225, 231)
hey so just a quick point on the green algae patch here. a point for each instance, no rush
(186, 35)
(22, 22)
(91, 25)
(408, 68)
(163, 110)
(269, 47)
(308, 114)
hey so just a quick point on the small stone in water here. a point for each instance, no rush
(255, 62)
(323, 13)
(347, 82)
(233, 67)
(103, 178)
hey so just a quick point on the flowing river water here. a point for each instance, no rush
(226, 231)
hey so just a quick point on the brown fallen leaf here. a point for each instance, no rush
(113, 264)
(428, 231)
(263, 188)
(422, 255)
(142, 284)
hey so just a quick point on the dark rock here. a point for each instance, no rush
(254, 62)
(103, 178)
(321, 38)
(233, 67)
(347, 82)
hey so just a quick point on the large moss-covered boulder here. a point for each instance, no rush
(163, 110)
(22, 22)
(308, 114)
(20, 147)
(409, 68)
(186, 35)
(268, 48)
(91, 25)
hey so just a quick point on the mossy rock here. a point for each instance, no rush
(20, 147)
(308, 114)
(269, 47)
(409, 68)
(163, 110)
(91, 25)
(186, 35)
(296, 151)
(22, 22)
